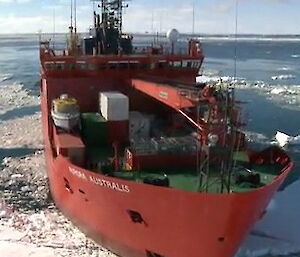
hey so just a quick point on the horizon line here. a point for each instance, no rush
(163, 33)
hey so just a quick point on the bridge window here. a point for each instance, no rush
(91, 66)
(102, 66)
(133, 65)
(60, 66)
(196, 64)
(49, 66)
(144, 66)
(177, 64)
(81, 65)
(112, 66)
(184, 64)
(70, 66)
(124, 65)
(162, 65)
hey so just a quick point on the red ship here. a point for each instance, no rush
(140, 157)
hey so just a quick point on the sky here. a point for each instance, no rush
(211, 16)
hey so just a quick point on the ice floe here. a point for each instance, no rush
(285, 95)
(283, 77)
(214, 79)
(283, 139)
(282, 223)
(5, 77)
(278, 91)
(285, 68)
(296, 140)
(254, 137)
(15, 96)
(295, 55)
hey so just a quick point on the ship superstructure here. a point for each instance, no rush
(139, 156)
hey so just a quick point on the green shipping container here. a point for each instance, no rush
(94, 129)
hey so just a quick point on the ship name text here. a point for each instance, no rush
(100, 182)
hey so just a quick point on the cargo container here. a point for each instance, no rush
(94, 129)
(134, 161)
(71, 146)
(114, 106)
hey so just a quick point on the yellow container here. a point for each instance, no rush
(66, 105)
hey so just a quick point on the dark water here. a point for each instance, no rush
(257, 59)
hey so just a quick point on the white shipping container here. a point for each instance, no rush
(114, 106)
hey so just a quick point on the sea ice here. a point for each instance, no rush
(283, 77)
(281, 222)
(5, 77)
(296, 140)
(285, 68)
(277, 91)
(287, 96)
(282, 139)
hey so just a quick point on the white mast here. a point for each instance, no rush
(193, 25)
(236, 32)
(54, 17)
(75, 16)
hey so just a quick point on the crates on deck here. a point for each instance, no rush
(140, 161)
(139, 125)
(164, 152)
(99, 132)
(70, 146)
(114, 106)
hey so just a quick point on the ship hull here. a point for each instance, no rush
(139, 220)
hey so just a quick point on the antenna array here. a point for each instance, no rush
(112, 12)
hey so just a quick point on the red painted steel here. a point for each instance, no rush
(136, 219)
(69, 146)
(175, 223)
(160, 160)
(164, 93)
(118, 131)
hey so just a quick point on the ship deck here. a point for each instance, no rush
(188, 179)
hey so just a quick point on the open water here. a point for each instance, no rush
(268, 71)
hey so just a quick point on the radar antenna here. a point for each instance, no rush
(71, 16)
(108, 25)
(72, 37)
(112, 13)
